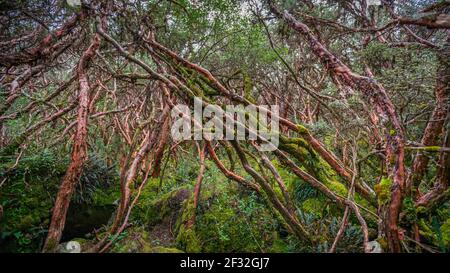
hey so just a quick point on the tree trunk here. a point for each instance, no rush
(436, 123)
(198, 184)
(79, 152)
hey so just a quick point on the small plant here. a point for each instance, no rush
(96, 175)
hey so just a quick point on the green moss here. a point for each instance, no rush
(85, 244)
(409, 210)
(300, 150)
(25, 220)
(132, 240)
(198, 85)
(383, 243)
(299, 153)
(383, 190)
(279, 245)
(313, 206)
(28, 196)
(51, 245)
(187, 239)
(302, 129)
(313, 164)
(298, 141)
(421, 210)
(433, 148)
(228, 220)
(160, 249)
(445, 230)
(364, 203)
(152, 209)
(436, 233)
(137, 240)
(104, 197)
(426, 231)
(248, 87)
(338, 188)
(205, 87)
(28, 221)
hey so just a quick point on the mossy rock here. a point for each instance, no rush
(151, 211)
(84, 243)
(228, 220)
(187, 239)
(132, 240)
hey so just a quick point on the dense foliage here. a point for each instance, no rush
(86, 153)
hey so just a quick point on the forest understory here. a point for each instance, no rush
(89, 161)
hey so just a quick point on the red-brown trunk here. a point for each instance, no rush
(78, 156)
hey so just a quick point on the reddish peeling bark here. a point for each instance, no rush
(325, 190)
(33, 104)
(15, 87)
(329, 157)
(437, 120)
(130, 177)
(430, 21)
(291, 220)
(197, 68)
(47, 45)
(146, 145)
(79, 152)
(163, 137)
(440, 192)
(266, 161)
(127, 178)
(229, 174)
(376, 95)
(198, 185)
